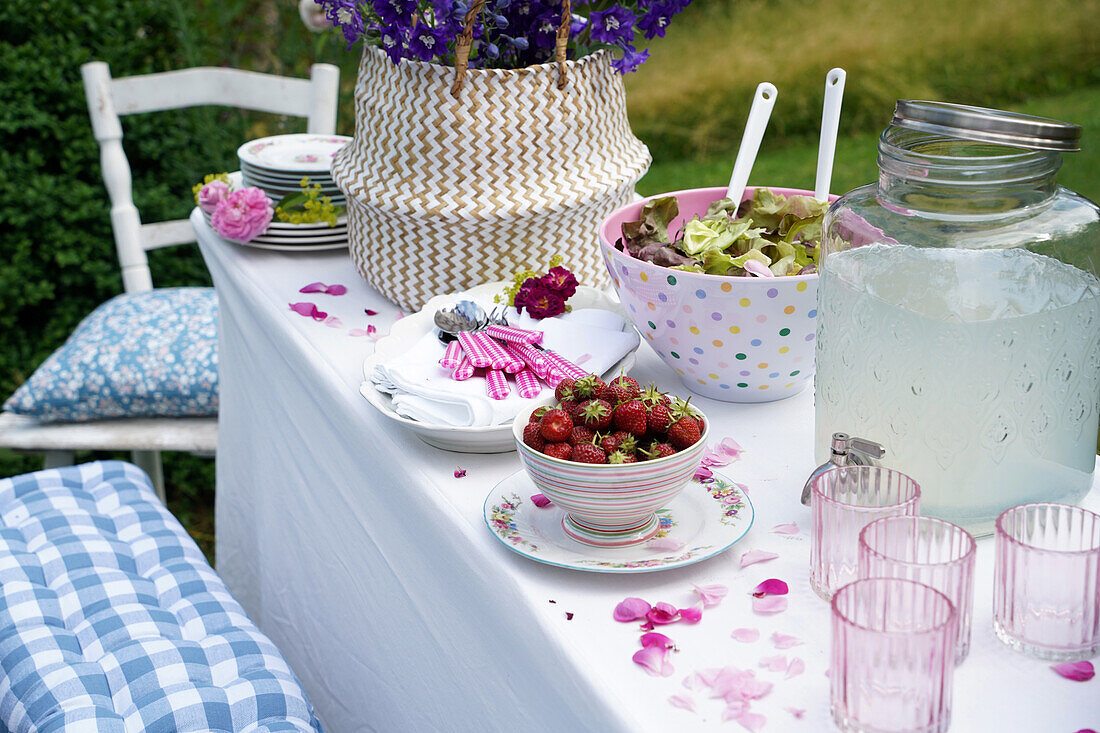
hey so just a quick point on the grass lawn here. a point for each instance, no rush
(794, 165)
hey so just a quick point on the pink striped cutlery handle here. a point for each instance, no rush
(553, 376)
(528, 384)
(514, 335)
(563, 365)
(533, 358)
(501, 359)
(496, 384)
(463, 371)
(474, 349)
(452, 357)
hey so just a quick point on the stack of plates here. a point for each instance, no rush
(278, 163)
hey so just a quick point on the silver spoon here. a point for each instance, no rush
(466, 315)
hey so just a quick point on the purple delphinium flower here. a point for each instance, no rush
(427, 43)
(614, 25)
(656, 19)
(631, 59)
(345, 15)
(394, 41)
(394, 12)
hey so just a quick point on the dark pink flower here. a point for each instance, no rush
(544, 303)
(561, 281)
(630, 609)
(1076, 671)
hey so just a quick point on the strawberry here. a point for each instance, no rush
(625, 441)
(572, 409)
(588, 387)
(621, 457)
(631, 417)
(588, 453)
(660, 450)
(615, 394)
(595, 414)
(532, 436)
(658, 418)
(628, 385)
(537, 414)
(653, 396)
(609, 444)
(564, 390)
(684, 432)
(556, 425)
(563, 451)
(581, 434)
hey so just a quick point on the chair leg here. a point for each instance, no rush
(149, 461)
(58, 458)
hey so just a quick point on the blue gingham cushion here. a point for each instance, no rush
(112, 620)
(152, 354)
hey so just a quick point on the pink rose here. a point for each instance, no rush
(211, 194)
(242, 215)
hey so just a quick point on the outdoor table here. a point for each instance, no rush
(352, 544)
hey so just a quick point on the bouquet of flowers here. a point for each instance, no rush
(503, 34)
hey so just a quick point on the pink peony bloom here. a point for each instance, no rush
(242, 215)
(211, 194)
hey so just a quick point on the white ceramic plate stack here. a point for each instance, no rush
(278, 163)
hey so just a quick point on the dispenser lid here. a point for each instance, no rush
(987, 125)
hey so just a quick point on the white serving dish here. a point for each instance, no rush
(410, 329)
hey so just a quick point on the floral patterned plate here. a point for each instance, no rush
(705, 520)
(298, 153)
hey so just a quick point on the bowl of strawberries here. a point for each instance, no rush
(611, 454)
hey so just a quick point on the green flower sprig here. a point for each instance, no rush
(509, 295)
(308, 206)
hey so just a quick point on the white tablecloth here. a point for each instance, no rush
(351, 543)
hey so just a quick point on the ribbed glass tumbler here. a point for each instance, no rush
(1046, 582)
(843, 501)
(929, 551)
(893, 658)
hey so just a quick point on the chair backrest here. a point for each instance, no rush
(314, 98)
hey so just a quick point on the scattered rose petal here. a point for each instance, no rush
(309, 310)
(541, 502)
(797, 667)
(758, 268)
(771, 587)
(460, 472)
(336, 290)
(1076, 671)
(654, 659)
(662, 613)
(796, 712)
(746, 635)
(769, 604)
(334, 322)
(370, 312)
(783, 641)
(656, 638)
(733, 684)
(630, 609)
(775, 664)
(754, 556)
(357, 332)
(689, 682)
(702, 473)
(711, 595)
(568, 615)
(734, 710)
(788, 528)
(322, 288)
(664, 544)
(371, 330)
(752, 721)
(722, 454)
(399, 316)
(682, 701)
(708, 676)
(691, 615)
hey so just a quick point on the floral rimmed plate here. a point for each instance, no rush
(708, 518)
(301, 152)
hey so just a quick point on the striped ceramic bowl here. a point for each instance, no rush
(609, 505)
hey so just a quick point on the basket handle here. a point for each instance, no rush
(466, 39)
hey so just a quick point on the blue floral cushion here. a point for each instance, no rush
(137, 355)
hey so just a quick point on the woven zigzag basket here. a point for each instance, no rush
(445, 194)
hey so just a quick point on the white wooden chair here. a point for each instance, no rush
(314, 98)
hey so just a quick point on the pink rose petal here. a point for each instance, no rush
(691, 615)
(770, 587)
(734, 710)
(654, 659)
(357, 332)
(758, 268)
(460, 473)
(664, 544)
(334, 322)
(752, 721)
(689, 681)
(308, 309)
(788, 528)
(703, 473)
(630, 609)
(775, 664)
(541, 502)
(313, 288)
(722, 454)
(682, 701)
(769, 604)
(711, 595)
(746, 635)
(1076, 671)
(783, 641)
(708, 677)
(370, 312)
(656, 638)
(754, 556)
(336, 290)
(796, 712)
(797, 667)
(662, 613)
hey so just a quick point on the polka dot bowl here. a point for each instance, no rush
(736, 339)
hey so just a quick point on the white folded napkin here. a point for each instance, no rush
(591, 338)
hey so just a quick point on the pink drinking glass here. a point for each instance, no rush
(929, 551)
(893, 657)
(843, 501)
(1046, 581)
